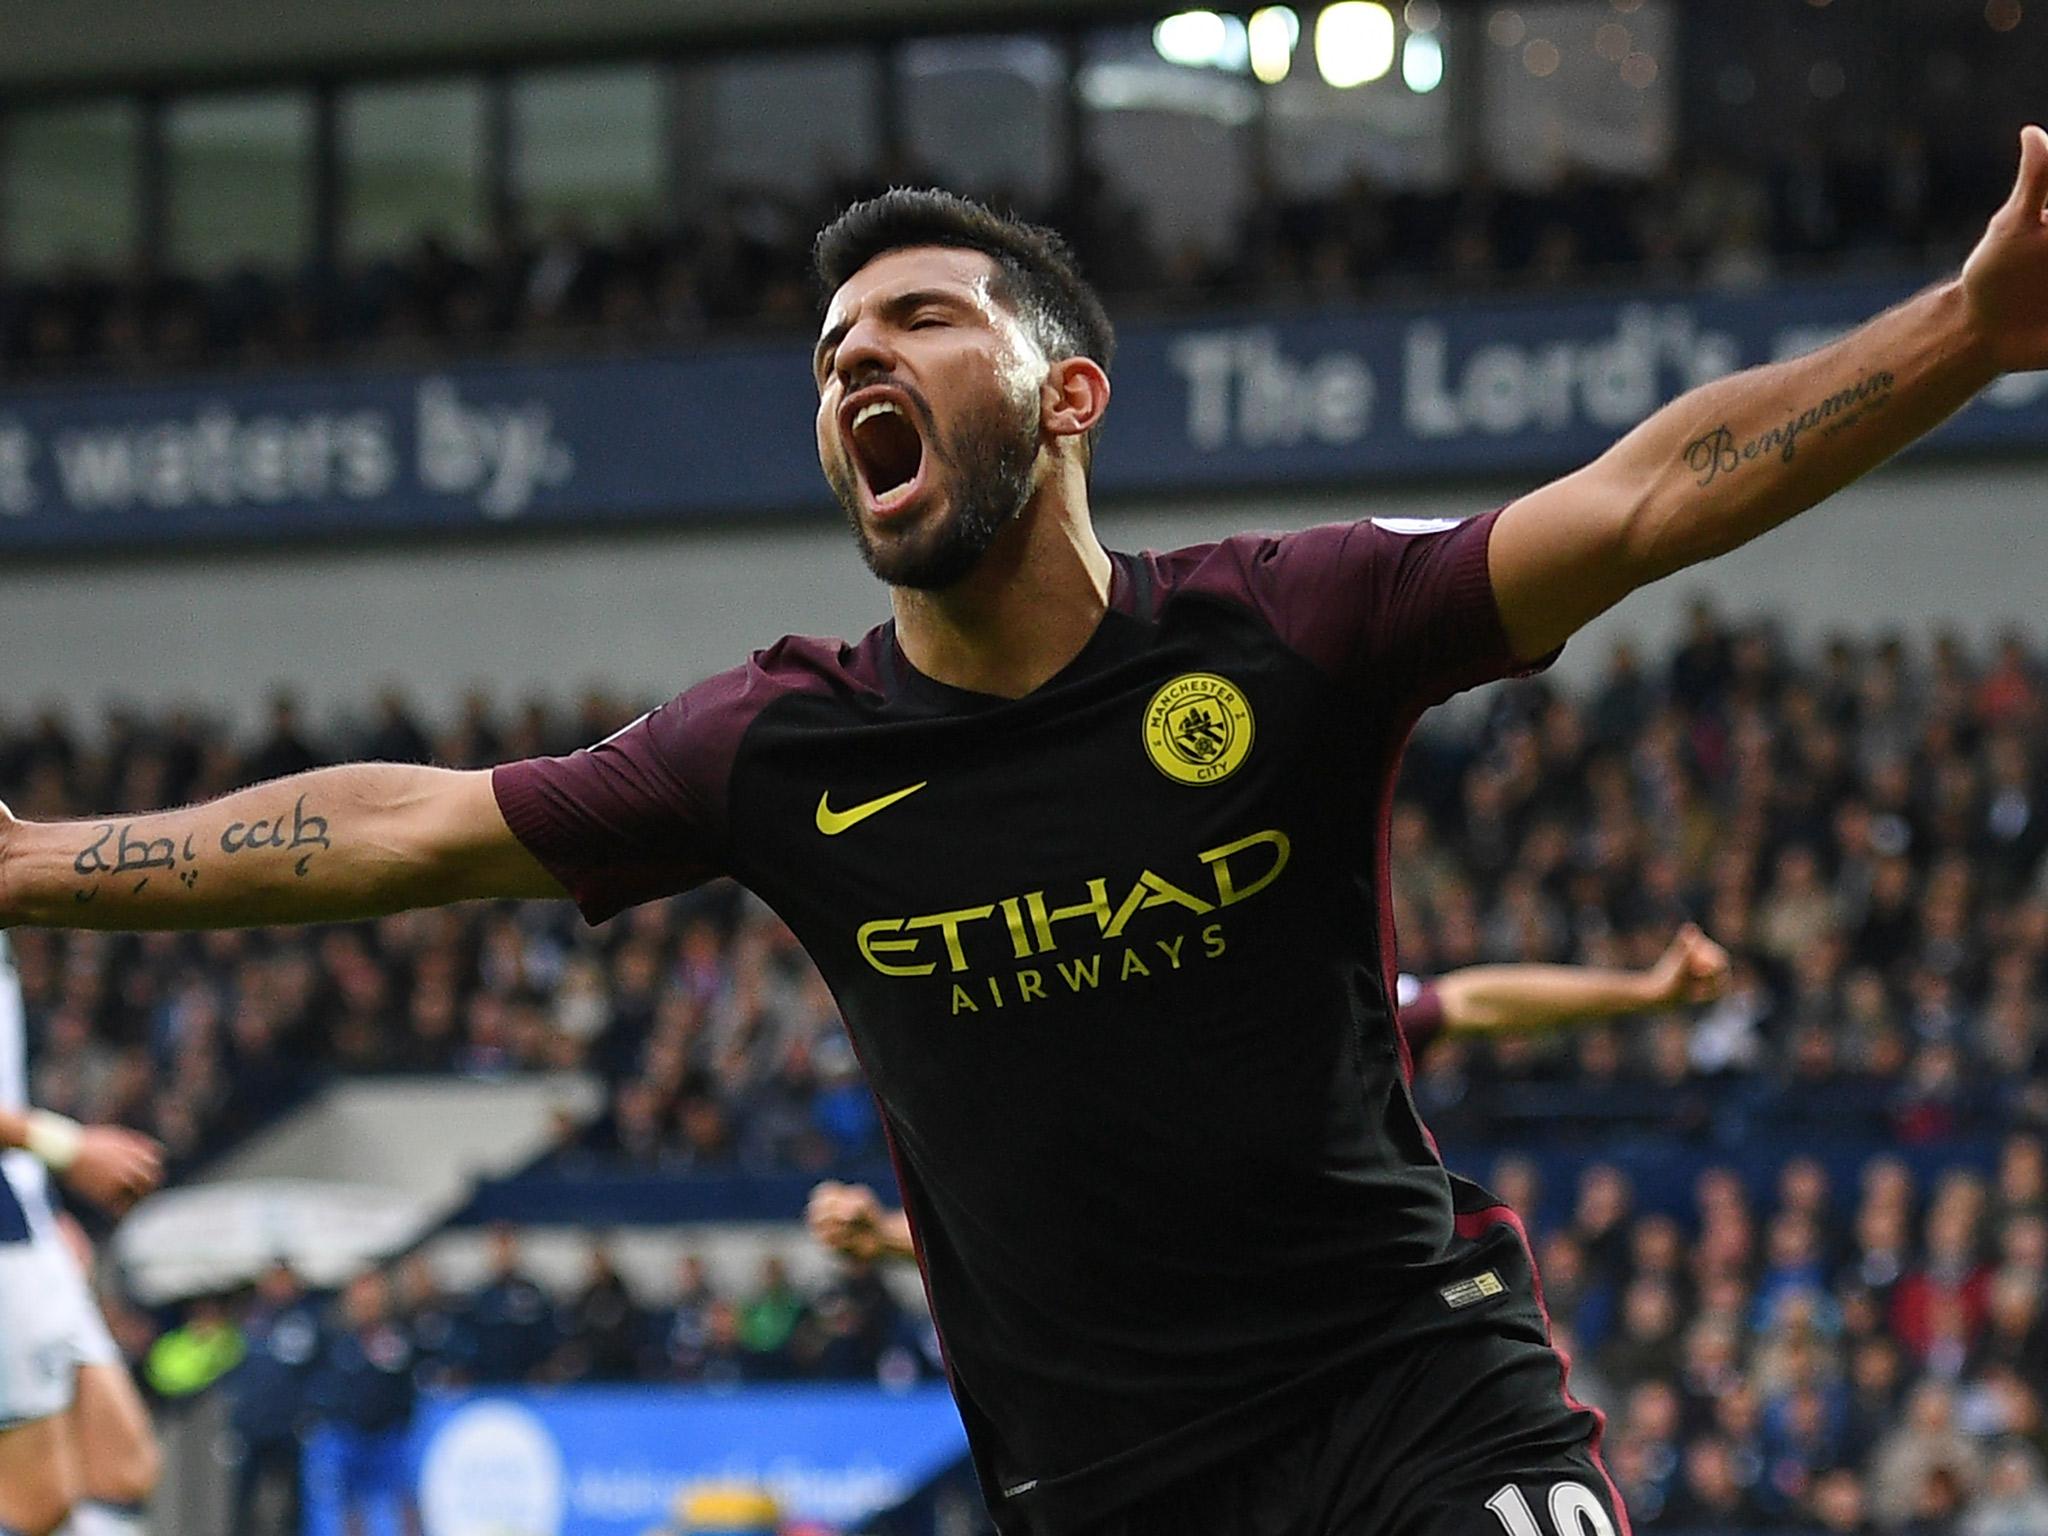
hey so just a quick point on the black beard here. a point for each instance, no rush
(988, 469)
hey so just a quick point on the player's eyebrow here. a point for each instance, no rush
(895, 307)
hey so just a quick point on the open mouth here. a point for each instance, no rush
(887, 451)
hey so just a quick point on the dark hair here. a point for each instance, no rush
(1036, 274)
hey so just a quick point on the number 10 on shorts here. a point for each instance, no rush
(1573, 1511)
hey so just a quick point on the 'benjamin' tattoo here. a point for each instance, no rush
(1719, 453)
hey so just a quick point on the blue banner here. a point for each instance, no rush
(1357, 397)
(598, 1461)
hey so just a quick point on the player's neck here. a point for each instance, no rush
(1022, 614)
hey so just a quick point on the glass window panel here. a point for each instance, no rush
(1397, 131)
(413, 163)
(70, 186)
(1173, 142)
(985, 115)
(240, 172)
(1579, 85)
(792, 123)
(589, 145)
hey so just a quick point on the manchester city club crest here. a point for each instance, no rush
(1198, 728)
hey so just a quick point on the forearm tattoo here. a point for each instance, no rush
(1721, 453)
(308, 832)
(118, 852)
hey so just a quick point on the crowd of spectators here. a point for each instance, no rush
(1862, 828)
(511, 1330)
(1864, 1358)
(288, 1362)
(1819, 1359)
(743, 262)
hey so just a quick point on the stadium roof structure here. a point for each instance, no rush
(64, 46)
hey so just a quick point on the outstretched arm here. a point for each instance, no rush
(1482, 998)
(334, 844)
(1735, 458)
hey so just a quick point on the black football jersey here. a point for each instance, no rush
(1117, 960)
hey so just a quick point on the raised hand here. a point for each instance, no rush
(2006, 278)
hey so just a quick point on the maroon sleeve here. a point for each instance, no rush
(642, 813)
(1422, 1017)
(1402, 603)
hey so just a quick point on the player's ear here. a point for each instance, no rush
(1075, 394)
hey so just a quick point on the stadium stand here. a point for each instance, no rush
(742, 266)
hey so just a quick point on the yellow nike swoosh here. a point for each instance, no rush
(832, 823)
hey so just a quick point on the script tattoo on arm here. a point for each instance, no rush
(307, 831)
(118, 852)
(1720, 452)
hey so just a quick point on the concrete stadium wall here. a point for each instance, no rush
(650, 613)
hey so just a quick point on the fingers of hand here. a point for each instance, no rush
(2030, 190)
(1703, 954)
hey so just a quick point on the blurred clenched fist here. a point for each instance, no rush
(1694, 969)
(846, 1218)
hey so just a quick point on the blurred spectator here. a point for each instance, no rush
(511, 1319)
(601, 1327)
(722, 1358)
(363, 1387)
(1646, 1345)
(1939, 1306)
(1925, 1467)
(1840, 1505)
(848, 1328)
(199, 1351)
(768, 1317)
(439, 1325)
(1709, 1494)
(268, 1407)
(2014, 1501)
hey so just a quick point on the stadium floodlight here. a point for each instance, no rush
(1198, 39)
(1273, 34)
(1354, 42)
(1422, 62)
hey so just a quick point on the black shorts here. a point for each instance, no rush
(1470, 1434)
